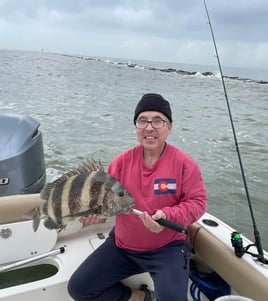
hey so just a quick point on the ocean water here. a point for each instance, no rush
(85, 107)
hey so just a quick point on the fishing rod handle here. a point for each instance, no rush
(165, 223)
(168, 224)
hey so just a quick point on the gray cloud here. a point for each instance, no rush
(146, 29)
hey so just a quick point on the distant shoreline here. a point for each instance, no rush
(129, 64)
(167, 70)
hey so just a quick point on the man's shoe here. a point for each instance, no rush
(149, 295)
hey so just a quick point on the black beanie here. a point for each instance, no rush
(153, 102)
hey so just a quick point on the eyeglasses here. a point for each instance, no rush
(156, 123)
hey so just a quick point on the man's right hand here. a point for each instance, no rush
(90, 219)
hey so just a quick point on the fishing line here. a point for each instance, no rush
(256, 231)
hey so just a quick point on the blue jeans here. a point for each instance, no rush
(98, 277)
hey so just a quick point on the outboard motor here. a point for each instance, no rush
(22, 163)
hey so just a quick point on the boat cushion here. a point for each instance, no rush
(13, 207)
(238, 272)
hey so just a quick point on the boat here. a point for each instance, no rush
(37, 265)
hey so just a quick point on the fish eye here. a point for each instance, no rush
(121, 193)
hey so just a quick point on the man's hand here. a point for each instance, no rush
(150, 221)
(90, 219)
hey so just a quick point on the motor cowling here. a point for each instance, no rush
(22, 163)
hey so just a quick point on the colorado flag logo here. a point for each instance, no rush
(165, 186)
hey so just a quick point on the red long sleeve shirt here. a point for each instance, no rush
(173, 184)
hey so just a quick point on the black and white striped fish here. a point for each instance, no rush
(83, 191)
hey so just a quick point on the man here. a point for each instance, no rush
(166, 184)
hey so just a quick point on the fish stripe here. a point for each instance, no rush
(85, 193)
(65, 207)
(50, 208)
(109, 185)
(57, 200)
(76, 192)
(94, 191)
(44, 208)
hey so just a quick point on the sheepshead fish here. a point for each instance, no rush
(83, 191)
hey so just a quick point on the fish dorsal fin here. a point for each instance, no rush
(86, 167)
(89, 166)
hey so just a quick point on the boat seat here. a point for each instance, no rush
(17, 239)
(12, 208)
(236, 271)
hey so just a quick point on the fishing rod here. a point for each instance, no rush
(258, 244)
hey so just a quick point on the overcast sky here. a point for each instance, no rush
(159, 30)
